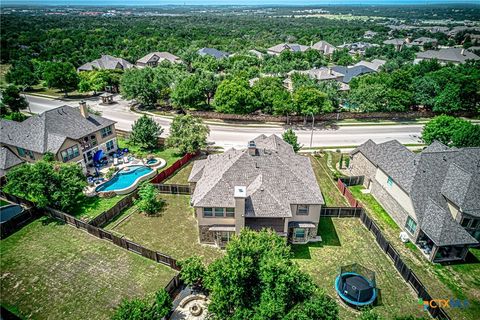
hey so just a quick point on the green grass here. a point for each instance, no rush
(172, 231)
(347, 241)
(168, 154)
(373, 205)
(54, 271)
(455, 281)
(331, 195)
(181, 176)
(91, 207)
(41, 90)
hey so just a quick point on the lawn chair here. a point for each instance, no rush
(126, 160)
(115, 161)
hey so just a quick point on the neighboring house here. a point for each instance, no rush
(369, 34)
(217, 54)
(8, 160)
(106, 62)
(324, 47)
(375, 64)
(256, 53)
(266, 185)
(319, 74)
(71, 134)
(154, 58)
(352, 71)
(397, 43)
(433, 195)
(423, 41)
(444, 56)
(357, 47)
(292, 47)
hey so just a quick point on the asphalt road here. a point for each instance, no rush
(238, 135)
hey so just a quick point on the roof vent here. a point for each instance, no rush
(252, 148)
(462, 52)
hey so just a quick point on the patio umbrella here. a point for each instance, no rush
(97, 156)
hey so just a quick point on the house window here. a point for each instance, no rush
(390, 181)
(93, 139)
(466, 222)
(225, 236)
(21, 152)
(230, 212)
(302, 209)
(299, 233)
(30, 154)
(110, 145)
(218, 212)
(411, 225)
(70, 153)
(106, 131)
(475, 224)
(207, 212)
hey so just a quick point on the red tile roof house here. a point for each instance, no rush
(433, 195)
(266, 185)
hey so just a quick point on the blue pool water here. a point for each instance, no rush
(9, 211)
(124, 178)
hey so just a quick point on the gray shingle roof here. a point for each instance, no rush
(432, 176)
(293, 47)
(106, 62)
(275, 178)
(213, 52)
(351, 72)
(450, 54)
(48, 131)
(324, 47)
(395, 42)
(8, 159)
(159, 56)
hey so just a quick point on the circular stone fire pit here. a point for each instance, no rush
(192, 307)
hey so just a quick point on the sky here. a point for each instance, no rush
(230, 2)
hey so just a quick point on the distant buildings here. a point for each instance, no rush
(423, 42)
(292, 47)
(449, 55)
(154, 58)
(357, 47)
(217, 54)
(324, 47)
(397, 43)
(369, 34)
(106, 62)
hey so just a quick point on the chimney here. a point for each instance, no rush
(240, 195)
(83, 109)
(252, 148)
(462, 52)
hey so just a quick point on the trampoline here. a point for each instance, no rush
(356, 285)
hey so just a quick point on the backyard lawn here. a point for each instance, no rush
(457, 281)
(91, 207)
(172, 231)
(170, 155)
(347, 241)
(54, 271)
(181, 176)
(328, 186)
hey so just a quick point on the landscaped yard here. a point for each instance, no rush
(91, 207)
(54, 271)
(181, 176)
(172, 231)
(456, 281)
(170, 155)
(327, 183)
(347, 241)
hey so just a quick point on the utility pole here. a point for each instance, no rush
(313, 125)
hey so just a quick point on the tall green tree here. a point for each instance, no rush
(145, 309)
(148, 201)
(21, 73)
(256, 279)
(193, 271)
(451, 131)
(310, 101)
(13, 100)
(62, 76)
(291, 138)
(266, 91)
(235, 96)
(188, 93)
(145, 132)
(48, 183)
(188, 134)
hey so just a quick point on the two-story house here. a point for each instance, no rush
(266, 185)
(155, 58)
(433, 195)
(71, 134)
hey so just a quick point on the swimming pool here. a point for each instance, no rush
(126, 180)
(9, 211)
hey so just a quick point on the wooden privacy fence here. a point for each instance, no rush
(14, 224)
(159, 178)
(173, 188)
(119, 241)
(341, 212)
(347, 194)
(106, 216)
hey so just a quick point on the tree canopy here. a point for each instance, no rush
(452, 131)
(12, 99)
(291, 138)
(145, 132)
(61, 75)
(187, 134)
